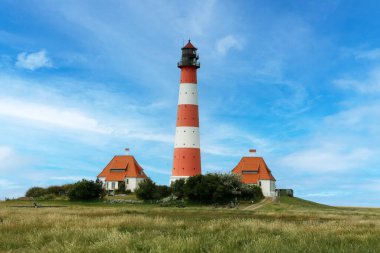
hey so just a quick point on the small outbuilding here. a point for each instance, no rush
(122, 168)
(253, 170)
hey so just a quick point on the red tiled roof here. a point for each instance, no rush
(127, 162)
(250, 164)
(189, 45)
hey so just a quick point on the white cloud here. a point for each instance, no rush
(326, 159)
(148, 169)
(51, 115)
(33, 61)
(7, 184)
(367, 85)
(227, 43)
(373, 54)
(326, 194)
(67, 178)
(5, 152)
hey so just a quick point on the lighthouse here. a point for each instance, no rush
(187, 153)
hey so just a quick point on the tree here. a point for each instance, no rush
(147, 190)
(35, 192)
(85, 190)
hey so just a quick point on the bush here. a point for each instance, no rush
(213, 188)
(85, 190)
(178, 188)
(163, 190)
(35, 192)
(251, 192)
(56, 190)
(147, 190)
(121, 188)
(66, 188)
(47, 197)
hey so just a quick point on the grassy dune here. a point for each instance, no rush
(290, 225)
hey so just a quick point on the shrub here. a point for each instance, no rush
(227, 189)
(178, 188)
(66, 188)
(56, 190)
(121, 187)
(147, 190)
(251, 192)
(48, 196)
(85, 190)
(163, 190)
(35, 192)
(213, 188)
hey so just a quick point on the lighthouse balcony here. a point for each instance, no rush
(189, 64)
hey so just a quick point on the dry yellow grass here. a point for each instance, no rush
(281, 227)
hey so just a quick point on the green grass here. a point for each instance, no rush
(289, 225)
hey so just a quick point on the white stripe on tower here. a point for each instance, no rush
(188, 94)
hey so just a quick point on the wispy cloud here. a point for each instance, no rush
(372, 54)
(47, 114)
(227, 43)
(68, 178)
(5, 152)
(326, 159)
(33, 61)
(367, 84)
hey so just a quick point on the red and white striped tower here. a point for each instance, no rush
(187, 153)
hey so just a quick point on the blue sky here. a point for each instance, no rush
(297, 80)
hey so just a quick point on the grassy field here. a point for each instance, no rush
(289, 225)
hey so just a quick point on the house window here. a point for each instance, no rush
(259, 183)
(113, 185)
(249, 172)
(118, 170)
(127, 181)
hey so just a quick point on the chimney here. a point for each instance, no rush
(127, 151)
(252, 152)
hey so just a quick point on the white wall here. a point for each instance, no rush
(268, 187)
(108, 185)
(131, 183)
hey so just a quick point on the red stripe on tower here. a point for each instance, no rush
(187, 153)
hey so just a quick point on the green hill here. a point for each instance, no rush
(294, 203)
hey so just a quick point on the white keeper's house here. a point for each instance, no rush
(122, 168)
